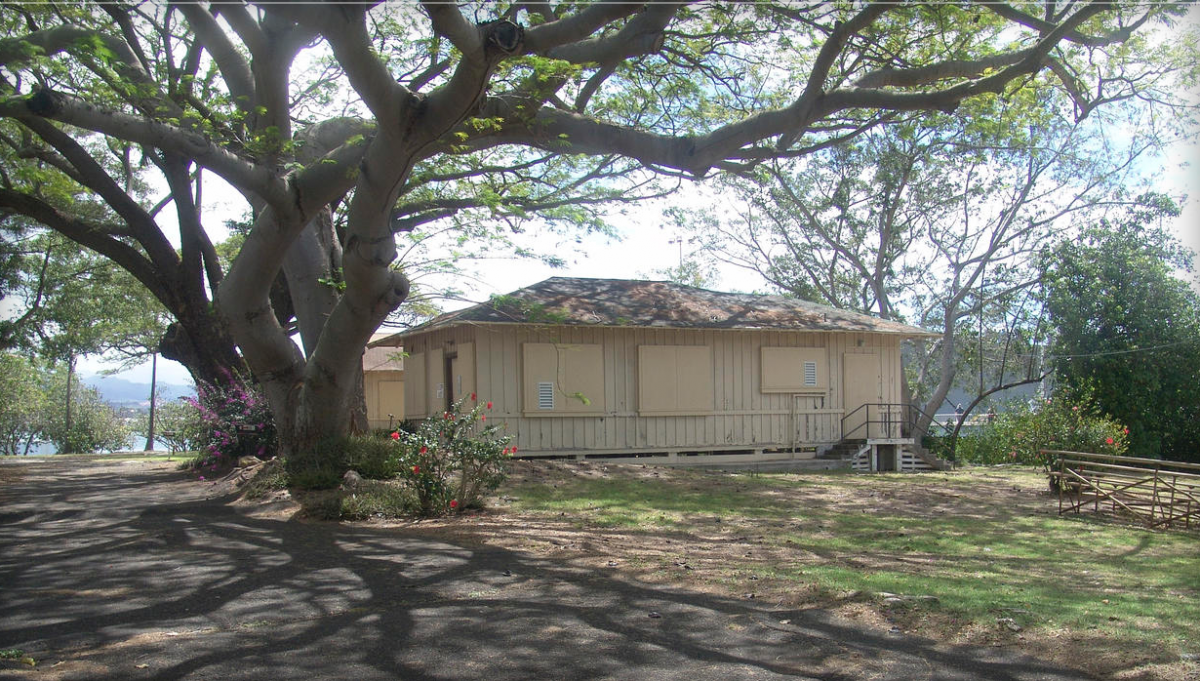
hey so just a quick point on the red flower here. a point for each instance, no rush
(424, 450)
(454, 503)
(416, 470)
(447, 415)
(489, 405)
(483, 418)
(473, 397)
(1126, 430)
(514, 449)
(396, 435)
(1108, 441)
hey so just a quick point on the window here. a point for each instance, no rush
(794, 370)
(562, 379)
(675, 379)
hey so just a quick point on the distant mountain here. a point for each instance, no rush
(123, 392)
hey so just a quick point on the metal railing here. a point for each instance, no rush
(888, 416)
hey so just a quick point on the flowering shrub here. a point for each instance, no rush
(1020, 433)
(234, 421)
(451, 461)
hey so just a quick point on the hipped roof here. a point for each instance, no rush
(573, 301)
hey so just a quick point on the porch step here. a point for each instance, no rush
(912, 457)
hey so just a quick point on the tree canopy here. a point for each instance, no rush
(1127, 330)
(345, 125)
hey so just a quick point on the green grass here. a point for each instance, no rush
(131, 456)
(980, 559)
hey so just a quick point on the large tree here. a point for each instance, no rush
(1127, 330)
(936, 221)
(493, 107)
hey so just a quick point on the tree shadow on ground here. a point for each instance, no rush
(111, 574)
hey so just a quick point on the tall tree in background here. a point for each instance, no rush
(1127, 330)
(934, 221)
(488, 107)
(22, 403)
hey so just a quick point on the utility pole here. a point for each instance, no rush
(679, 240)
(153, 390)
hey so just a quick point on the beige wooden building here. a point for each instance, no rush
(383, 385)
(601, 368)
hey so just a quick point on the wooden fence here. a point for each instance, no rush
(1157, 493)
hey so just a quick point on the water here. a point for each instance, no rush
(137, 444)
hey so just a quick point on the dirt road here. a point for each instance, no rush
(131, 571)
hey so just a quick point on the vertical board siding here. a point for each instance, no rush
(742, 415)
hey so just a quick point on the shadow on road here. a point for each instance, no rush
(116, 571)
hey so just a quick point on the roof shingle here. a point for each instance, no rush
(571, 301)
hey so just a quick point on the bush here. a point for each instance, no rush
(321, 467)
(234, 421)
(373, 498)
(373, 456)
(451, 462)
(442, 465)
(177, 424)
(1021, 432)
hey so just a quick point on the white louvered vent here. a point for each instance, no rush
(545, 395)
(810, 373)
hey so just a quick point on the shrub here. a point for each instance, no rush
(178, 424)
(452, 461)
(1021, 432)
(321, 467)
(443, 465)
(373, 456)
(234, 421)
(374, 498)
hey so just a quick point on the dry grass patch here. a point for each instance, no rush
(977, 556)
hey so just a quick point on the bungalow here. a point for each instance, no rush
(383, 385)
(609, 368)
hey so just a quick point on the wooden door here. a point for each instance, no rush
(460, 375)
(862, 376)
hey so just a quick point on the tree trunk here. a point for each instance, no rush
(204, 348)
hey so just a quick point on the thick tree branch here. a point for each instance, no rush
(233, 66)
(641, 35)
(91, 175)
(89, 235)
(68, 109)
(1118, 36)
(577, 27)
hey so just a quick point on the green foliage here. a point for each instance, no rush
(84, 425)
(319, 467)
(73, 302)
(1128, 330)
(373, 498)
(22, 404)
(439, 465)
(453, 460)
(1020, 433)
(178, 424)
(372, 456)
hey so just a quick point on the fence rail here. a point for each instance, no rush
(1157, 493)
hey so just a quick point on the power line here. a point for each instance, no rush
(1122, 352)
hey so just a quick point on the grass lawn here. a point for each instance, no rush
(978, 556)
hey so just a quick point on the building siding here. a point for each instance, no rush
(743, 417)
